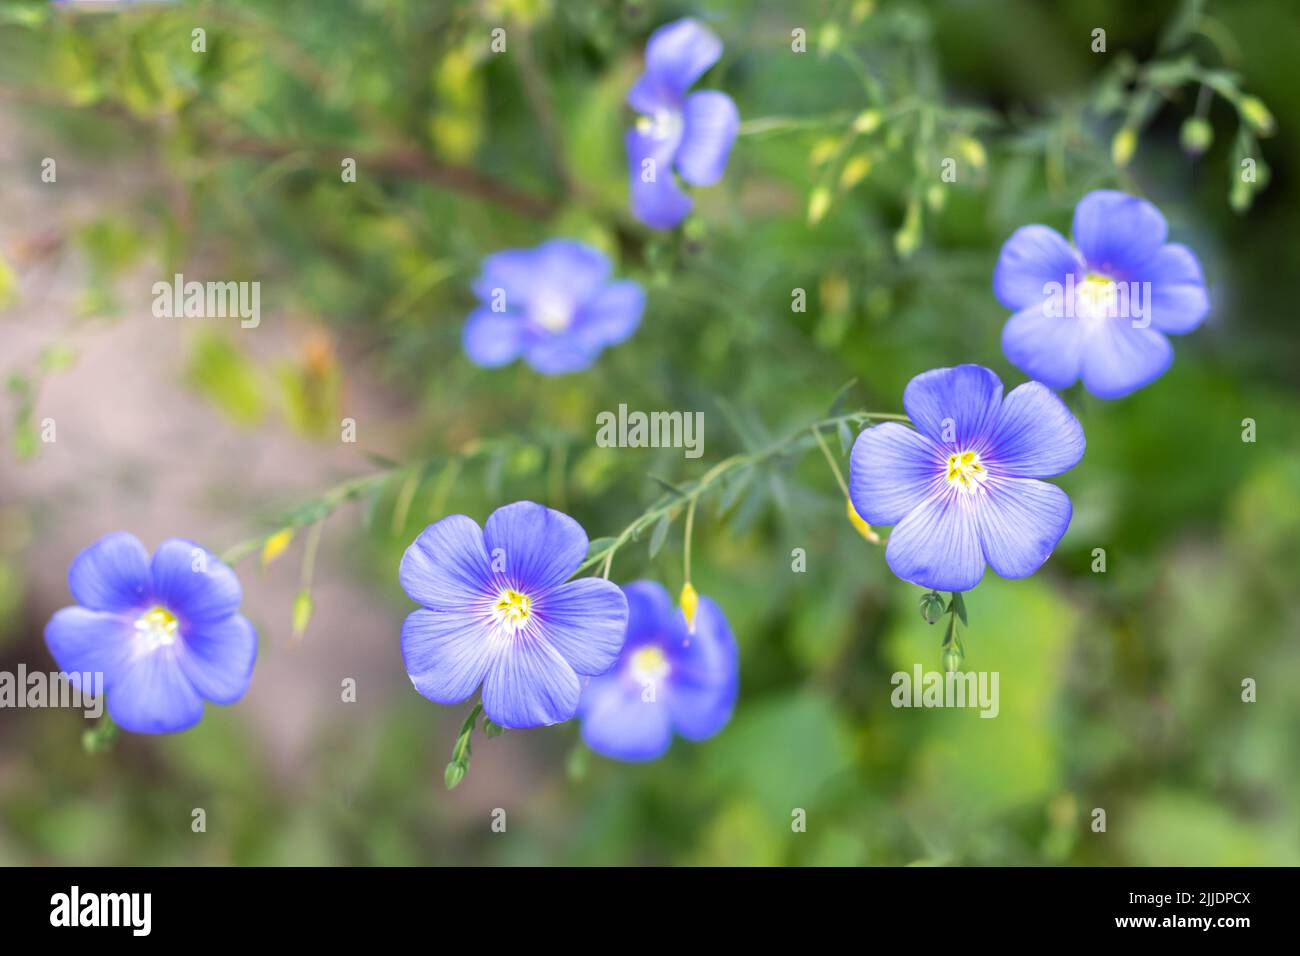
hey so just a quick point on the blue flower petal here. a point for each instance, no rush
(1046, 348)
(1032, 258)
(493, 339)
(1036, 435)
(193, 583)
(535, 547)
(530, 685)
(676, 55)
(567, 273)
(560, 354)
(585, 620)
(711, 122)
(153, 695)
(112, 574)
(1119, 359)
(954, 406)
(447, 655)
(1117, 233)
(507, 278)
(611, 315)
(447, 566)
(937, 545)
(1020, 521)
(892, 469)
(659, 203)
(82, 640)
(704, 677)
(1179, 302)
(617, 722)
(218, 658)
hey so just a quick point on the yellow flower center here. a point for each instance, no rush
(663, 125)
(553, 317)
(155, 628)
(513, 609)
(965, 470)
(1094, 297)
(649, 663)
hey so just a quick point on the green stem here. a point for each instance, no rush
(686, 549)
(710, 479)
(830, 460)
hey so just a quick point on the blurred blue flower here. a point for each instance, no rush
(961, 486)
(667, 678)
(691, 134)
(498, 612)
(553, 304)
(1098, 310)
(165, 633)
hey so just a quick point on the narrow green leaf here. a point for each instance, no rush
(841, 397)
(959, 604)
(660, 533)
(668, 486)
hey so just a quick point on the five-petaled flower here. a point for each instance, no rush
(1099, 310)
(962, 486)
(554, 305)
(691, 134)
(498, 612)
(166, 633)
(669, 677)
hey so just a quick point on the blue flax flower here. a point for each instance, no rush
(961, 486)
(166, 633)
(498, 612)
(554, 305)
(668, 678)
(1099, 310)
(691, 134)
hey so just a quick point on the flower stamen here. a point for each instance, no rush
(155, 628)
(965, 470)
(1095, 297)
(650, 663)
(512, 610)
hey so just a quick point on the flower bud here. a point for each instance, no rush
(931, 607)
(1123, 146)
(690, 602)
(867, 122)
(1196, 135)
(454, 774)
(818, 203)
(1257, 115)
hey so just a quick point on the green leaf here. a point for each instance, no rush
(841, 397)
(220, 372)
(8, 284)
(845, 434)
(668, 486)
(959, 604)
(660, 533)
(599, 546)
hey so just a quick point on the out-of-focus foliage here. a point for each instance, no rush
(1119, 690)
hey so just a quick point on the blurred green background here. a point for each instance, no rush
(1119, 690)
